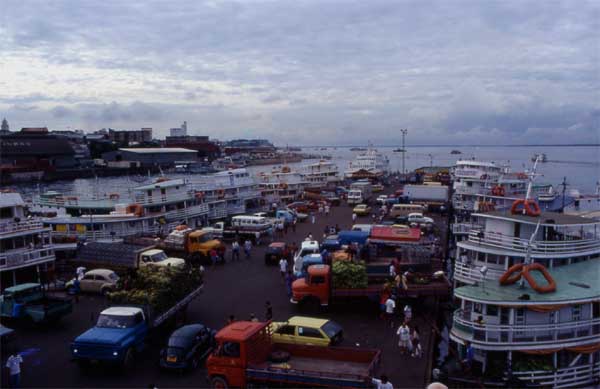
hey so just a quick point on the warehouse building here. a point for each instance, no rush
(145, 157)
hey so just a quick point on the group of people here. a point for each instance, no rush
(409, 340)
(268, 314)
(235, 250)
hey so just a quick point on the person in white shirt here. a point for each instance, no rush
(283, 267)
(392, 270)
(404, 338)
(407, 313)
(382, 383)
(13, 363)
(80, 272)
(390, 307)
(354, 216)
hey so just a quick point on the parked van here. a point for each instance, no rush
(405, 209)
(250, 222)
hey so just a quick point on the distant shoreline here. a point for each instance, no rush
(422, 145)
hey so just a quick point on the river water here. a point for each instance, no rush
(580, 165)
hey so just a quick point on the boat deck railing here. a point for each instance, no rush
(19, 258)
(471, 274)
(566, 377)
(520, 335)
(510, 243)
(25, 225)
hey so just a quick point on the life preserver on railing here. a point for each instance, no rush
(551, 284)
(136, 209)
(199, 195)
(283, 185)
(485, 206)
(498, 190)
(527, 207)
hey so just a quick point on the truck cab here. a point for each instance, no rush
(203, 242)
(316, 285)
(307, 247)
(28, 302)
(157, 257)
(118, 334)
(307, 261)
(355, 196)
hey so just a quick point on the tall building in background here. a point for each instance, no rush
(179, 131)
(143, 135)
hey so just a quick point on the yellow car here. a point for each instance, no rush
(377, 188)
(362, 210)
(307, 331)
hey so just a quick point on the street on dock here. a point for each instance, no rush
(238, 288)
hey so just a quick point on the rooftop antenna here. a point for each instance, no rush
(530, 245)
(531, 178)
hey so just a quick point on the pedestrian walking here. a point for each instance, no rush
(390, 308)
(247, 248)
(283, 267)
(407, 313)
(382, 383)
(392, 270)
(416, 343)
(294, 221)
(312, 217)
(235, 250)
(13, 363)
(354, 216)
(268, 311)
(289, 280)
(310, 236)
(320, 209)
(214, 257)
(80, 272)
(403, 338)
(327, 210)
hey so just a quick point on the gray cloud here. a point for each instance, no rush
(450, 71)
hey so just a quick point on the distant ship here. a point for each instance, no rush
(399, 150)
(455, 152)
(358, 149)
(369, 163)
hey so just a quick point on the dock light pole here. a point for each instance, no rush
(404, 131)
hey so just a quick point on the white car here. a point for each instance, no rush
(307, 247)
(419, 219)
(96, 281)
(382, 199)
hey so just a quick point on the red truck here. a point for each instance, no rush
(317, 289)
(245, 355)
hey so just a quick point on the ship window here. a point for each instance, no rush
(150, 193)
(492, 310)
(6, 213)
(477, 308)
(576, 312)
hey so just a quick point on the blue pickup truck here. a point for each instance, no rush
(120, 333)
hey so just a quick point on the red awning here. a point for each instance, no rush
(395, 234)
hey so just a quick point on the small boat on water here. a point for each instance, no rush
(399, 150)
(358, 149)
(455, 152)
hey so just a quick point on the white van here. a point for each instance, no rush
(405, 209)
(250, 222)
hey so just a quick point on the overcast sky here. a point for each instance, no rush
(307, 72)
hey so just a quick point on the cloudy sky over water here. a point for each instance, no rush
(307, 72)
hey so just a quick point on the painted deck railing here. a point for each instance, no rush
(575, 376)
(15, 259)
(464, 228)
(527, 334)
(25, 225)
(470, 274)
(505, 242)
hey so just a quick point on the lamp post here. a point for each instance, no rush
(403, 131)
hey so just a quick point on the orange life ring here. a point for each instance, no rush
(530, 207)
(551, 284)
(508, 278)
(136, 209)
(199, 195)
(498, 191)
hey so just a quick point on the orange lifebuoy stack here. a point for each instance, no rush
(136, 209)
(527, 207)
(515, 272)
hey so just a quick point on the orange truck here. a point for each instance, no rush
(245, 356)
(317, 289)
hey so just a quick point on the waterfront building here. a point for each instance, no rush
(36, 149)
(542, 330)
(154, 156)
(129, 137)
(26, 248)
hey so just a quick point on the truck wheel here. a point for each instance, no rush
(129, 359)
(218, 383)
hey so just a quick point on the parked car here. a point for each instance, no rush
(307, 331)
(415, 219)
(275, 252)
(382, 199)
(299, 206)
(377, 188)
(96, 281)
(187, 347)
(362, 210)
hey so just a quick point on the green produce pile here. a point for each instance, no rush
(158, 287)
(349, 275)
